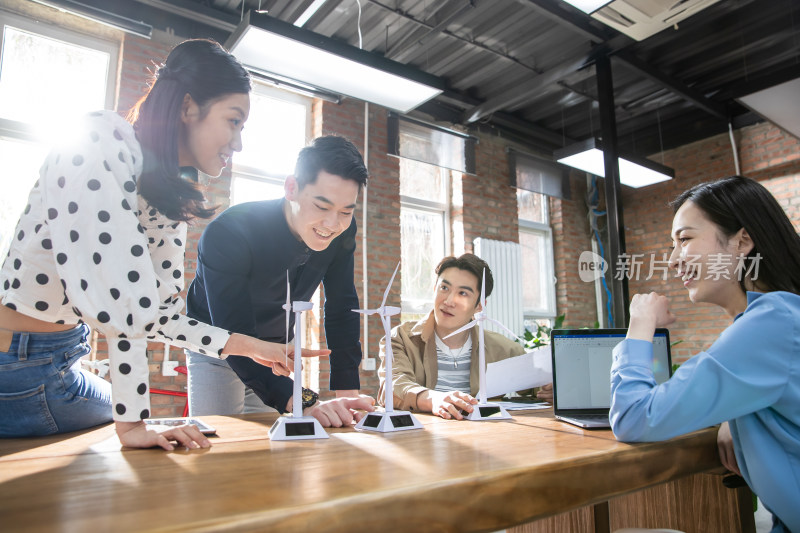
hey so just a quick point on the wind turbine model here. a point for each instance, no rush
(388, 420)
(484, 410)
(296, 426)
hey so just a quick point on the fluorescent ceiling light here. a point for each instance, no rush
(633, 171)
(268, 45)
(588, 6)
(308, 13)
(778, 104)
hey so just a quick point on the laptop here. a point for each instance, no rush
(582, 372)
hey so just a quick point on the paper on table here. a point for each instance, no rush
(520, 406)
(525, 371)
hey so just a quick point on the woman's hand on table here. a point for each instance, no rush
(141, 435)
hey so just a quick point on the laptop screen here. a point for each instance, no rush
(582, 366)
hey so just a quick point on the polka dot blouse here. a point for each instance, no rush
(89, 249)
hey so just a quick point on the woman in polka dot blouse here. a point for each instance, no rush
(101, 245)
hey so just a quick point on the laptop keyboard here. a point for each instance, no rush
(593, 417)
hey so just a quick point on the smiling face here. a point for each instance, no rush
(455, 300)
(320, 211)
(212, 135)
(705, 260)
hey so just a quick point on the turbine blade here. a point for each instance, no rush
(493, 321)
(389, 286)
(462, 328)
(483, 290)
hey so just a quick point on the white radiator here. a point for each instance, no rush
(505, 303)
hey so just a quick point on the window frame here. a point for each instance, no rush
(544, 230)
(24, 131)
(261, 175)
(429, 206)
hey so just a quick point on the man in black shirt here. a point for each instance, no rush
(240, 284)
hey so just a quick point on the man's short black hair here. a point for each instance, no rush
(472, 264)
(335, 155)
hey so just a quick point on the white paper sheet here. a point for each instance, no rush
(525, 371)
(519, 406)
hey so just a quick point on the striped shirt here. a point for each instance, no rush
(454, 366)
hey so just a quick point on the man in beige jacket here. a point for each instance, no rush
(436, 375)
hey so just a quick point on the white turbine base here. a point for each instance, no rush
(389, 421)
(488, 411)
(297, 428)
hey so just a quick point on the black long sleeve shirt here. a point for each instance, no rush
(240, 285)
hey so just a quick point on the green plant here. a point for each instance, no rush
(542, 335)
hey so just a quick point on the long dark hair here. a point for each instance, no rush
(205, 71)
(737, 202)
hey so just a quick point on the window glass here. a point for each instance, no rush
(246, 189)
(273, 135)
(423, 181)
(21, 162)
(536, 245)
(532, 206)
(276, 130)
(534, 273)
(422, 236)
(431, 145)
(43, 78)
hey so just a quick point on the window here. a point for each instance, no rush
(424, 230)
(48, 75)
(277, 129)
(536, 242)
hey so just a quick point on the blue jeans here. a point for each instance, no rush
(215, 389)
(42, 387)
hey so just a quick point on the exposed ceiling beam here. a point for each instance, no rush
(197, 12)
(519, 93)
(404, 45)
(98, 11)
(449, 107)
(695, 97)
(474, 44)
(579, 23)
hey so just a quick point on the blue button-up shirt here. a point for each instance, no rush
(750, 377)
(240, 285)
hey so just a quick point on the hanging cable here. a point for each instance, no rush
(660, 137)
(592, 201)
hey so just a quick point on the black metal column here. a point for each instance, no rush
(613, 190)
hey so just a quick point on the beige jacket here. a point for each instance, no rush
(416, 367)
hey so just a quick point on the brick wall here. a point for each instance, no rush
(383, 215)
(767, 154)
(571, 236)
(489, 202)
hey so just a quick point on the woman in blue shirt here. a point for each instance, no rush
(733, 247)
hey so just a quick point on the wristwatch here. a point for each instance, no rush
(309, 398)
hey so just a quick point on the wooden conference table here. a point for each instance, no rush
(451, 476)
